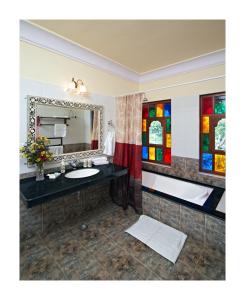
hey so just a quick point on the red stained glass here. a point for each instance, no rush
(167, 156)
(207, 105)
(145, 111)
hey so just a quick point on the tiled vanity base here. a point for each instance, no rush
(43, 217)
(200, 226)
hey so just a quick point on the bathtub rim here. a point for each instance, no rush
(209, 207)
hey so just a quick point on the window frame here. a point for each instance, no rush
(213, 120)
(162, 120)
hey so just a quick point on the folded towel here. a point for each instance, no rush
(56, 150)
(99, 158)
(59, 130)
(102, 160)
(96, 163)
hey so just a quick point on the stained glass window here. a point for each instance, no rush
(219, 132)
(152, 153)
(212, 133)
(145, 152)
(156, 132)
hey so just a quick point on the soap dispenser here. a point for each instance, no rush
(62, 166)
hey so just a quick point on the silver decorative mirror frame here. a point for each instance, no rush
(32, 120)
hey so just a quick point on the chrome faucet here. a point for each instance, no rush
(73, 163)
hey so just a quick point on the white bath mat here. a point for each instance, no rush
(162, 238)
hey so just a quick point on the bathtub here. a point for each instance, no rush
(191, 192)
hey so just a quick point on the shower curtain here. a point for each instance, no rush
(95, 128)
(129, 144)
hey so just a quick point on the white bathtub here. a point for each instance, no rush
(190, 192)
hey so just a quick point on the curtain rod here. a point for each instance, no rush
(173, 85)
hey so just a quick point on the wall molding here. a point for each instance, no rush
(39, 37)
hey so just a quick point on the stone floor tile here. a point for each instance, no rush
(104, 251)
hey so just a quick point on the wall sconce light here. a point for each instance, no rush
(76, 87)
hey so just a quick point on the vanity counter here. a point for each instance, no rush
(36, 192)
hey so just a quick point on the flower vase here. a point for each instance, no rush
(39, 172)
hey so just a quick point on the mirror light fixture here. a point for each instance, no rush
(76, 87)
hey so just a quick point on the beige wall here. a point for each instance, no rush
(37, 64)
(185, 105)
(204, 87)
(48, 67)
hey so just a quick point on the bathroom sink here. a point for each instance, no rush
(82, 173)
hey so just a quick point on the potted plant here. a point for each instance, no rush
(37, 152)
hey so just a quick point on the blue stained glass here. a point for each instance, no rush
(145, 152)
(207, 161)
(167, 110)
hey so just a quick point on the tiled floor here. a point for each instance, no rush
(105, 252)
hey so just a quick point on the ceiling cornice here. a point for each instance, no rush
(44, 39)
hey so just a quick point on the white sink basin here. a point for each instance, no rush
(82, 173)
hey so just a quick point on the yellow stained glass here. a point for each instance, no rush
(205, 124)
(144, 125)
(168, 140)
(159, 110)
(219, 163)
(152, 153)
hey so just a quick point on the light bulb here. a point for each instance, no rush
(72, 85)
(83, 88)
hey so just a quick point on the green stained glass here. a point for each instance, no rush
(159, 154)
(144, 138)
(219, 107)
(205, 142)
(168, 125)
(152, 111)
(155, 133)
(220, 135)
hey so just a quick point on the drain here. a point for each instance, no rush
(83, 226)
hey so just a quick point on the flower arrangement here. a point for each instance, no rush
(37, 152)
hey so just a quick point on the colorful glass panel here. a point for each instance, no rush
(152, 153)
(144, 138)
(205, 142)
(207, 161)
(159, 110)
(145, 152)
(205, 124)
(219, 106)
(145, 111)
(167, 110)
(144, 123)
(219, 132)
(155, 133)
(219, 163)
(152, 111)
(168, 125)
(159, 154)
(207, 105)
(168, 140)
(167, 156)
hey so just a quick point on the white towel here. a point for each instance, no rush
(100, 161)
(109, 145)
(162, 238)
(56, 150)
(59, 130)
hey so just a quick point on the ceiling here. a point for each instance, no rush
(142, 45)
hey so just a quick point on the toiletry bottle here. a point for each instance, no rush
(62, 166)
(85, 163)
(89, 162)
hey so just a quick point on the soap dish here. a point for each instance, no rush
(53, 175)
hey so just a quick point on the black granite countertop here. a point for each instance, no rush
(36, 192)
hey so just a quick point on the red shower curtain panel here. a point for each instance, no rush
(128, 143)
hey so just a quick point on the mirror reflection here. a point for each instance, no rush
(68, 129)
